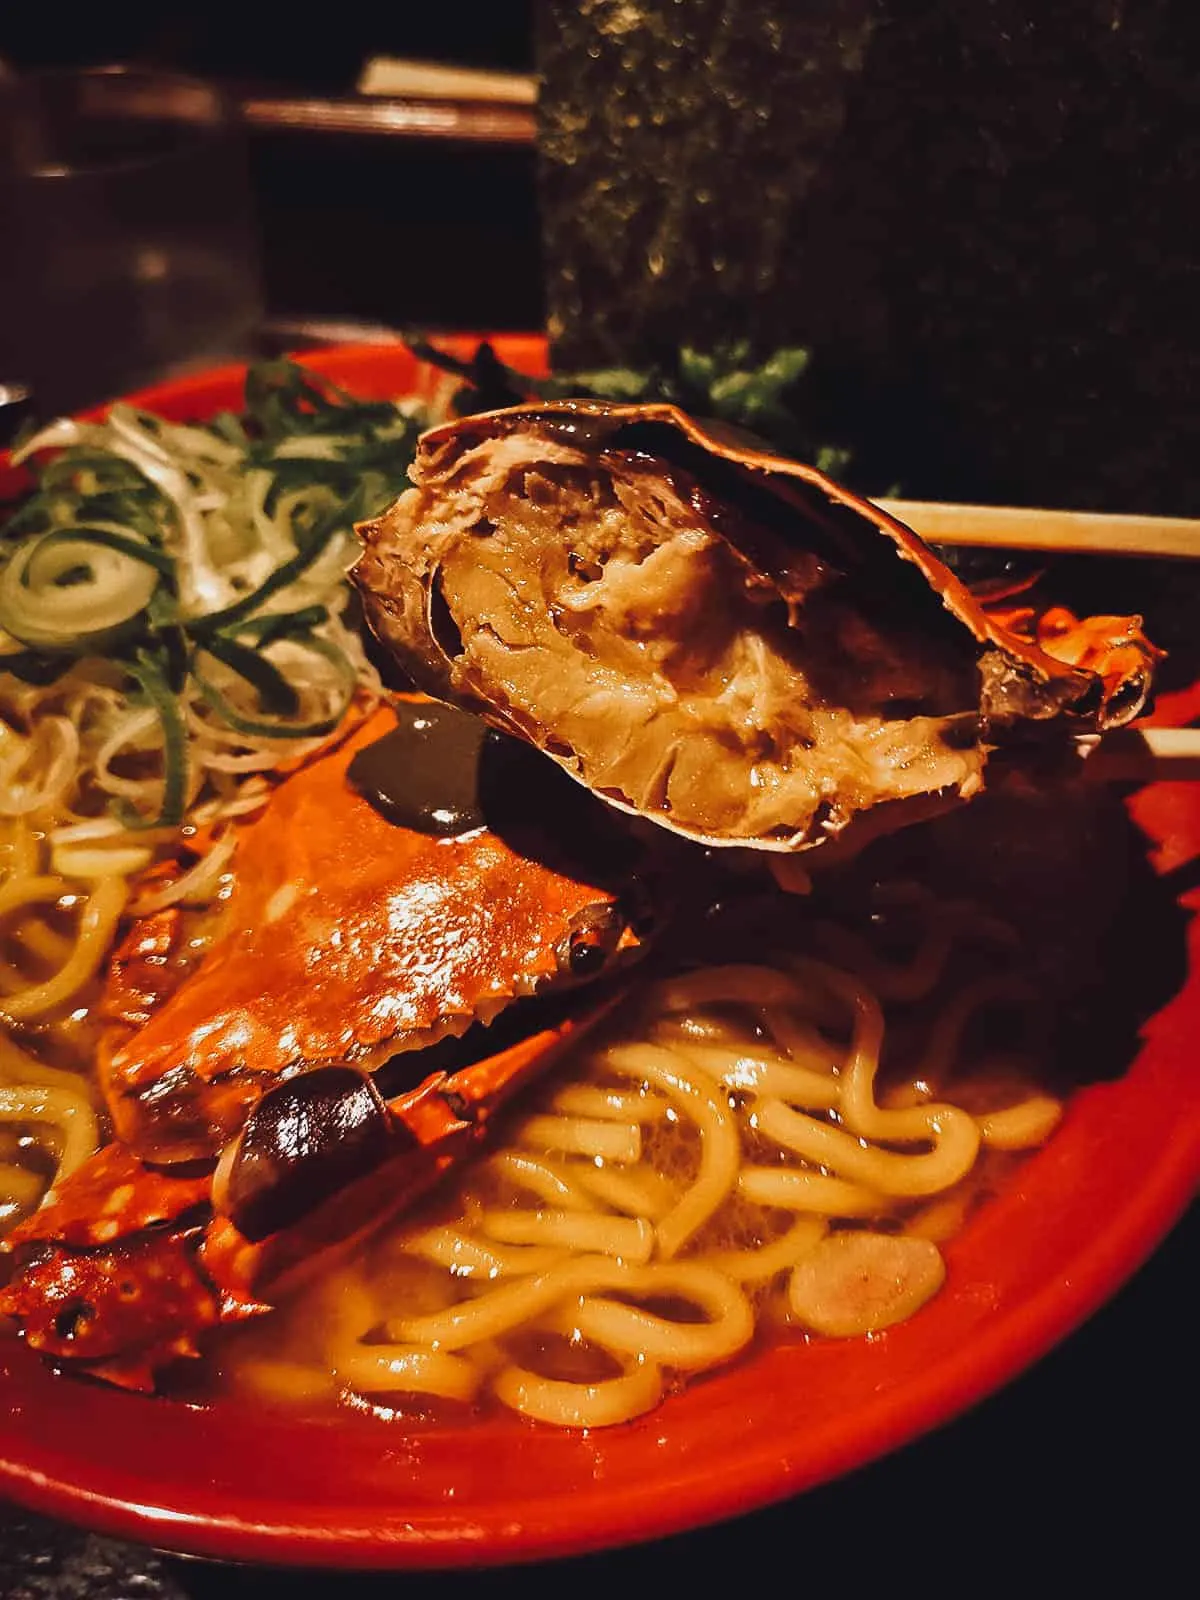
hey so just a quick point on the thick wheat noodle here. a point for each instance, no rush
(499, 1311)
(37, 937)
(700, 1098)
(952, 1132)
(760, 1074)
(758, 1266)
(280, 1378)
(69, 1113)
(512, 1305)
(956, 1144)
(904, 982)
(544, 1177)
(467, 1256)
(51, 1104)
(608, 1141)
(588, 1100)
(22, 850)
(797, 1189)
(93, 938)
(408, 1369)
(628, 1238)
(581, 1405)
(31, 888)
(1022, 1126)
(913, 979)
(805, 1046)
(345, 1310)
(692, 1027)
(11, 980)
(733, 984)
(685, 1345)
(18, 1185)
(942, 1050)
(637, 1191)
(19, 1068)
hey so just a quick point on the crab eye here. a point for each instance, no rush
(585, 954)
(592, 940)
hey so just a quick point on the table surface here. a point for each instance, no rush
(1080, 1468)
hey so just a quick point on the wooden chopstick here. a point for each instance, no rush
(1025, 528)
(432, 80)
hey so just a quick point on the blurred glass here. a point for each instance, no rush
(128, 249)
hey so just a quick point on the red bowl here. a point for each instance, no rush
(344, 1490)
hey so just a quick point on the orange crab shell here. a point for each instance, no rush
(346, 939)
(109, 1198)
(108, 1276)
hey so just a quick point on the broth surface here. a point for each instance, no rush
(756, 1151)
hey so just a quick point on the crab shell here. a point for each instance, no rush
(347, 939)
(789, 530)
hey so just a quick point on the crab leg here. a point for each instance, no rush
(108, 1276)
(126, 1266)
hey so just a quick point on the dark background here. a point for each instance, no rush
(271, 44)
(1079, 1470)
(434, 234)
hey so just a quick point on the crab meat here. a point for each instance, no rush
(715, 638)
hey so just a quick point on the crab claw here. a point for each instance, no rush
(108, 1279)
(126, 1267)
(314, 1135)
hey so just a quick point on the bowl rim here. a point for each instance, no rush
(1017, 1335)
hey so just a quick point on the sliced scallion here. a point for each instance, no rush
(154, 685)
(282, 727)
(275, 694)
(65, 590)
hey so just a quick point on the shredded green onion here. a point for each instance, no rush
(153, 683)
(66, 590)
(276, 696)
(176, 592)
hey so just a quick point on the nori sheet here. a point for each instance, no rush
(979, 214)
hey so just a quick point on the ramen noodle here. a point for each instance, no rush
(724, 1163)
